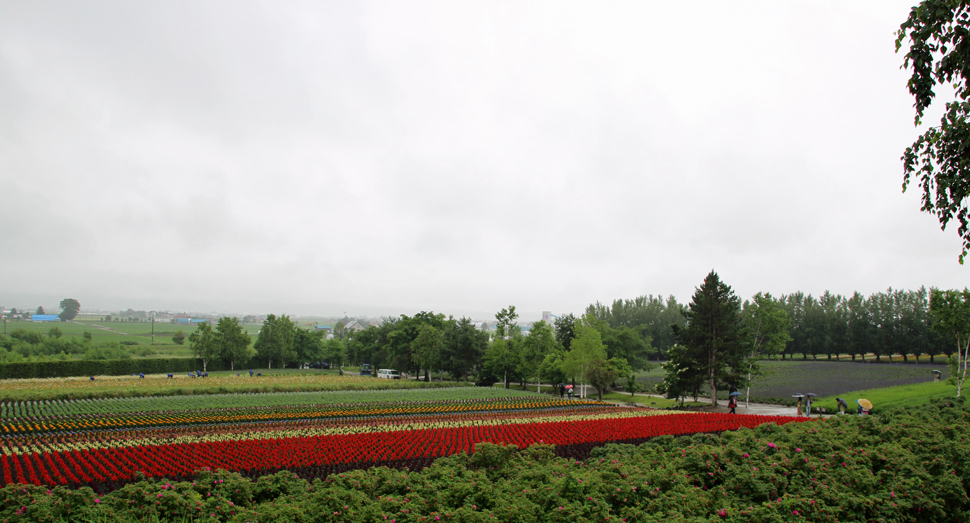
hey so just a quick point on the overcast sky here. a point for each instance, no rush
(391, 157)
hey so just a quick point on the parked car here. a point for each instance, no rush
(319, 365)
(389, 374)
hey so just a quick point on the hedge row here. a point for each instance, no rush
(57, 369)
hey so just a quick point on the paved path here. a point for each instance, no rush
(761, 409)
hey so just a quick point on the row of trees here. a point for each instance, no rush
(426, 341)
(884, 323)
(722, 339)
(587, 349)
(649, 316)
(278, 343)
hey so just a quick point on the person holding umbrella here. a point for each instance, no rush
(808, 404)
(843, 405)
(733, 401)
(864, 406)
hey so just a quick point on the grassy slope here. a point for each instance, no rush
(903, 396)
(121, 331)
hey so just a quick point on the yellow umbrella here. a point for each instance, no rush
(866, 404)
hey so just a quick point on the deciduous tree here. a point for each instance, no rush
(69, 309)
(765, 331)
(682, 375)
(334, 352)
(233, 341)
(951, 318)
(275, 340)
(502, 355)
(564, 330)
(539, 342)
(462, 348)
(307, 345)
(204, 344)
(938, 37)
(587, 348)
(426, 349)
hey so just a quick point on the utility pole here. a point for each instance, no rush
(152, 314)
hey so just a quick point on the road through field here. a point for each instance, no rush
(102, 327)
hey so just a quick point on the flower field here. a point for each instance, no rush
(108, 443)
(182, 384)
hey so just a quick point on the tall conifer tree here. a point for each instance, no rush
(713, 333)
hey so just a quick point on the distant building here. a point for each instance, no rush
(45, 317)
(355, 326)
(549, 317)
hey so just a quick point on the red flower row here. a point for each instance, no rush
(121, 464)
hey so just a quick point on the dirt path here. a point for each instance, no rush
(102, 327)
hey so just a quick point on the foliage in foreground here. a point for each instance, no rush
(901, 466)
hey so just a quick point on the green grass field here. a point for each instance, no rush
(901, 396)
(123, 331)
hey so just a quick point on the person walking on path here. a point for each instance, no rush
(733, 400)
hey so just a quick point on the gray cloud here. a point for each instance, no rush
(383, 158)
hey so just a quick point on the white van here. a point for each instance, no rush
(389, 374)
